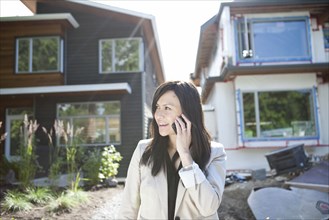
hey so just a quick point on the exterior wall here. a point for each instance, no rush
(150, 84)
(319, 52)
(82, 45)
(223, 100)
(323, 96)
(276, 83)
(9, 32)
(251, 155)
(222, 97)
(81, 66)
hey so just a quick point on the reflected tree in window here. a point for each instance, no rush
(249, 115)
(107, 56)
(120, 55)
(127, 55)
(24, 55)
(279, 114)
(45, 54)
(38, 54)
(100, 120)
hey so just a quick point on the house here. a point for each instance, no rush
(93, 65)
(263, 69)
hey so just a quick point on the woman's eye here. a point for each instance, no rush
(167, 108)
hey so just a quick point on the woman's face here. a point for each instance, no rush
(168, 108)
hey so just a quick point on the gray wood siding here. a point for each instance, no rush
(82, 67)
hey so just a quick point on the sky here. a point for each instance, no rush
(178, 23)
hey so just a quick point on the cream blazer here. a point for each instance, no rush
(146, 196)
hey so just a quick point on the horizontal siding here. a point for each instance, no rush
(9, 32)
(82, 50)
(31, 80)
(81, 67)
(131, 118)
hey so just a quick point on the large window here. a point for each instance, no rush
(39, 54)
(120, 55)
(272, 40)
(279, 114)
(99, 121)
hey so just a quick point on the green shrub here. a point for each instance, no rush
(109, 163)
(67, 200)
(39, 195)
(79, 195)
(91, 167)
(15, 201)
(64, 202)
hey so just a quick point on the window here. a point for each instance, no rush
(39, 54)
(272, 40)
(279, 114)
(120, 55)
(15, 124)
(99, 121)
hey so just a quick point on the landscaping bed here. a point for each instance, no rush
(102, 206)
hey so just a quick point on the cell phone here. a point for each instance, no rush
(174, 126)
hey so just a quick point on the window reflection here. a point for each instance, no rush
(100, 121)
(279, 114)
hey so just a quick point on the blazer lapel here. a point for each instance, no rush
(180, 194)
(161, 184)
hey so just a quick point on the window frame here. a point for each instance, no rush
(60, 57)
(258, 138)
(105, 117)
(140, 54)
(250, 50)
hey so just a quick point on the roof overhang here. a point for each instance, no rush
(207, 40)
(229, 72)
(44, 17)
(122, 88)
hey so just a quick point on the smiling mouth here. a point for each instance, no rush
(162, 125)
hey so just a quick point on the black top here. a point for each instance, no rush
(172, 179)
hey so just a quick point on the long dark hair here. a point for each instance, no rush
(190, 101)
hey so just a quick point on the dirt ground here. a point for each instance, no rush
(234, 204)
(96, 201)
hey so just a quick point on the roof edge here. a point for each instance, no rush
(43, 17)
(66, 89)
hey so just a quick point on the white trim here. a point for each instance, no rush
(40, 17)
(66, 89)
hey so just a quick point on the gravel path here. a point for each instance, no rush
(110, 209)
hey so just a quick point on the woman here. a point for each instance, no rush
(175, 176)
